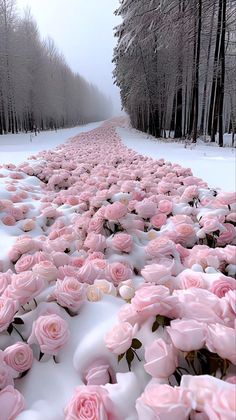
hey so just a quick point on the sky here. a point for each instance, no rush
(83, 32)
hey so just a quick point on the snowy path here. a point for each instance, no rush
(216, 166)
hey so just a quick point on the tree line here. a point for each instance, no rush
(175, 65)
(37, 87)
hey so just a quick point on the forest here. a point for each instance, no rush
(38, 90)
(175, 64)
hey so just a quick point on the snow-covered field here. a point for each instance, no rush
(217, 166)
(15, 148)
(107, 253)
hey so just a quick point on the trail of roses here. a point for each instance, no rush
(93, 219)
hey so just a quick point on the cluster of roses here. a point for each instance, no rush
(123, 225)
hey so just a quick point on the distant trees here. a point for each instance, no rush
(176, 66)
(37, 87)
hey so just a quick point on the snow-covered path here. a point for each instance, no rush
(216, 166)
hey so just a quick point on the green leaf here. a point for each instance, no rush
(120, 357)
(40, 355)
(10, 329)
(129, 357)
(136, 344)
(155, 326)
(18, 321)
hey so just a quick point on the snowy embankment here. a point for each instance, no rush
(217, 166)
(116, 283)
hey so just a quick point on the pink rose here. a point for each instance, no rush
(6, 372)
(24, 263)
(146, 209)
(5, 280)
(24, 244)
(19, 356)
(119, 339)
(187, 334)
(152, 300)
(189, 278)
(164, 402)
(60, 258)
(51, 332)
(156, 273)
(8, 308)
(90, 271)
(221, 340)
(122, 242)
(99, 373)
(46, 270)
(165, 206)
(161, 359)
(128, 314)
(228, 235)
(211, 225)
(70, 293)
(222, 286)
(158, 220)
(118, 272)
(160, 246)
(90, 403)
(95, 242)
(11, 403)
(115, 211)
(24, 287)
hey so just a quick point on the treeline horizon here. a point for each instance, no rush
(176, 66)
(38, 90)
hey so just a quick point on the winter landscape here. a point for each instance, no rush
(118, 228)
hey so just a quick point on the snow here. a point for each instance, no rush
(16, 148)
(216, 166)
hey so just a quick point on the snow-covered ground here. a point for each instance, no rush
(15, 148)
(217, 166)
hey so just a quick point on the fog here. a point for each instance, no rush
(83, 32)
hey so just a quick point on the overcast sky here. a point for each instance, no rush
(83, 32)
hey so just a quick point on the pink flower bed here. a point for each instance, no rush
(93, 222)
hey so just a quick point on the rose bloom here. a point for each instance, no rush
(158, 220)
(95, 242)
(19, 356)
(189, 278)
(6, 372)
(228, 235)
(51, 332)
(161, 359)
(185, 234)
(127, 313)
(119, 339)
(5, 280)
(165, 206)
(187, 334)
(11, 403)
(8, 220)
(164, 402)
(70, 293)
(221, 340)
(24, 287)
(94, 293)
(8, 308)
(99, 373)
(156, 273)
(90, 403)
(24, 244)
(47, 270)
(24, 263)
(115, 211)
(118, 272)
(160, 246)
(122, 242)
(106, 287)
(151, 300)
(222, 286)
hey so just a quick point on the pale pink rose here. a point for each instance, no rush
(223, 285)
(211, 225)
(122, 242)
(146, 209)
(221, 340)
(231, 380)
(185, 234)
(118, 272)
(118, 340)
(127, 313)
(227, 198)
(94, 293)
(223, 405)
(228, 235)
(126, 291)
(46, 270)
(90, 271)
(231, 217)
(161, 359)
(230, 254)
(99, 373)
(96, 224)
(90, 403)
(106, 287)
(24, 263)
(24, 287)
(156, 273)
(152, 300)
(187, 334)
(165, 206)
(115, 211)
(69, 293)
(158, 220)
(190, 193)
(5, 280)
(95, 242)
(160, 246)
(19, 356)
(67, 271)
(51, 332)
(11, 403)
(6, 372)
(8, 308)
(8, 220)
(60, 258)
(164, 402)
(189, 278)
(28, 224)
(24, 244)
